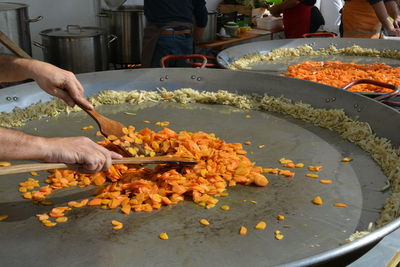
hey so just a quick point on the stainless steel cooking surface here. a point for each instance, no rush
(229, 55)
(14, 22)
(315, 233)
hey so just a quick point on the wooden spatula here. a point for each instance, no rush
(23, 168)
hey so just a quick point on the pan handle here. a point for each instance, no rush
(384, 97)
(319, 34)
(38, 18)
(186, 58)
(199, 64)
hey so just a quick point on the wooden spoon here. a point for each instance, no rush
(23, 168)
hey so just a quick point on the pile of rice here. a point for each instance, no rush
(244, 63)
(359, 133)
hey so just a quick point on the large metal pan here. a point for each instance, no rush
(316, 233)
(226, 57)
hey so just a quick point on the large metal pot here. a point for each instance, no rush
(14, 22)
(127, 23)
(210, 32)
(75, 48)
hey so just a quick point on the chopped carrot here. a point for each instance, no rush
(261, 225)
(299, 165)
(247, 143)
(243, 230)
(280, 217)
(86, 128)
(340, 205)
(325, 181)
(34, 173)
(317, 200)
(50, 224)
(346, 159)
(315, 168)
(204, 222)
(312, 175)
(164, 236)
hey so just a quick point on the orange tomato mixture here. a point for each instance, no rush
(339, 74)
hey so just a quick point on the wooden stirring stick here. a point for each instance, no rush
(23, 168)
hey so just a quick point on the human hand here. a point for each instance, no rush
(393, 32)
(60, 83)
(79, 150)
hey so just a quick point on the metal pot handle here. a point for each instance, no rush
(69, 27)
(384, 98)
(37, 44)
(103, 15)
(186, 58)
(38, 18)
(112, 38)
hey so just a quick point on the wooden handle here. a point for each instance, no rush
(23, 168)
(12, 46)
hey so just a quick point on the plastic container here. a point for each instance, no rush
(269, 23)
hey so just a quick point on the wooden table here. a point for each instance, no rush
(220, 44)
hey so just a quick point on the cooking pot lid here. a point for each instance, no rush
(11, 6)
(73, 31)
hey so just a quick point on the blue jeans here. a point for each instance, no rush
(173, 44)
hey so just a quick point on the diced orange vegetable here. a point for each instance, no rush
(204, 222)
(42, 217)
(312, 175)
(280, 217)
(317, 200)
(325, 181)
(247, 143)
(164, 236)
(346, 159)
(50, 224)
(261, 225)
(243, 230)
(86, 128)
(340, 205)
(315, 168)
(299, 165)
(34, 173)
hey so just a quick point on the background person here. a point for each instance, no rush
(299, 17)
(170, 28)
(365, 18)
(16, 145)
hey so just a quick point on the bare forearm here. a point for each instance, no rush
(15, 145)
(198, 31)
(392, 9)
(382, 14)
(15, 69)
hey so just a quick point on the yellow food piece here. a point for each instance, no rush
(164, 236)
(243, 230)
(253, 202)
(315, 168)
(261, 146)
(115, 222)
(146, 122)
(280, 217)
(118, 227)
(49, 224)
(279, 236)
(317, 200)
(61, 219)
(340, 205)
(23, 189)
(285, 161)
(312, 175)
(325, 181)
(3, 217)
(4, 163)
(225, 207)
(261, 225)
(90, 127)
(247, 143)
(42, 217)
(224, 194)
(112, 137)
(34, 173)
(204, 222)
(260, 180)
(247, 116)
(346, 159)
(299, 165)
(27, 195)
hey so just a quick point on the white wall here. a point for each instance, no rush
(58, 13)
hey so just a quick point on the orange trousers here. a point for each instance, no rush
(359, 20)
